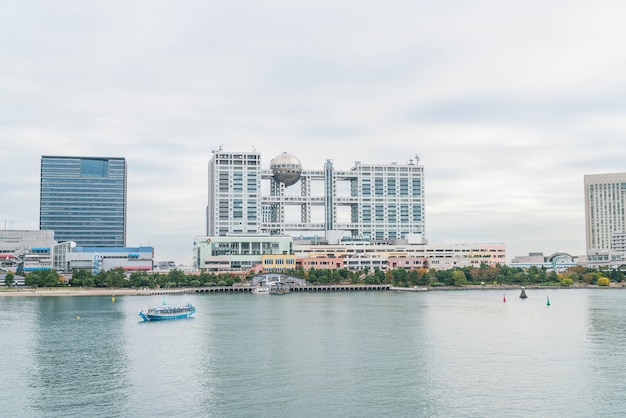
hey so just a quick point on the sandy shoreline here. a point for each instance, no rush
(78, 292)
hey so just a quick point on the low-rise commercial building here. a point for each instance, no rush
(37, 250)
(245, 253)
(558, 261)
(238, 253)
(97, 259)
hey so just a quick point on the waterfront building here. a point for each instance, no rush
(366, 262)
(558, 261)
(253, 253)
(83, 199)
(238, 253)
(17, 279)
(234, 205)
(278, 263)
(38, 250)
(359, 255)
(370, 217)
(97, 259)
(407, 263)
(372, 201)
(318, 263)
(29, 249)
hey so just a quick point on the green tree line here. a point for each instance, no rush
(500, 274)
(137, 279)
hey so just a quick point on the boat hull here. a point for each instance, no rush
(167, 312)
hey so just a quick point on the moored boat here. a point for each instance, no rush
(163, 312)
(261, 291)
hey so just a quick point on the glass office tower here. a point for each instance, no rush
(83, 199)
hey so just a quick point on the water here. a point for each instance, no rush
(370, 354)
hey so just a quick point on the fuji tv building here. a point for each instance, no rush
(370, 213)
(382, 202)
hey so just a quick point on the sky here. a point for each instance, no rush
(507, 104)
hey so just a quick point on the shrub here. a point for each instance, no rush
(603, 281)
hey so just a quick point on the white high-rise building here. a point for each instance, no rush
(369, 201)
(605, 217)
(234, 193)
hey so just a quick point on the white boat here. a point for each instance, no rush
(261, 290)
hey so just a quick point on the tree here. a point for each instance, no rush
(9, 279)
(380, 275)
(99, 279)
(444, 277)
(615, 275)
(603, 281)
(372, 279)
(177, 276)
(51, 278)
(138, 279)
(115, 278)
(458, 278)
(400, 277)
(81, 277)
(42, 278)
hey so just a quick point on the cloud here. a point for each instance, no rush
(507, 105)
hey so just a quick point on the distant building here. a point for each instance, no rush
(83, 199)
(165, 266)
(376, 201)
(237, 253)
(29, 249)
(605, 211)
(17, 280)
(360, 255)
(407, 263)
(369, 217)
(37, 250)
(278, 263)
(318, 263)
(557, 261)
(279, 253)
(97, 259)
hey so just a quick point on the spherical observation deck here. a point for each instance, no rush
(287, 168)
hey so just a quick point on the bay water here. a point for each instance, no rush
(361, 354)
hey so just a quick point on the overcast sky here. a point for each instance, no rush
(507, 103)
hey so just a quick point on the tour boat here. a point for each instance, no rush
(167, 312)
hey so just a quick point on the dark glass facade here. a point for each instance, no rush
(83, 199)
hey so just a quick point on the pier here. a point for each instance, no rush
(248, 289)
